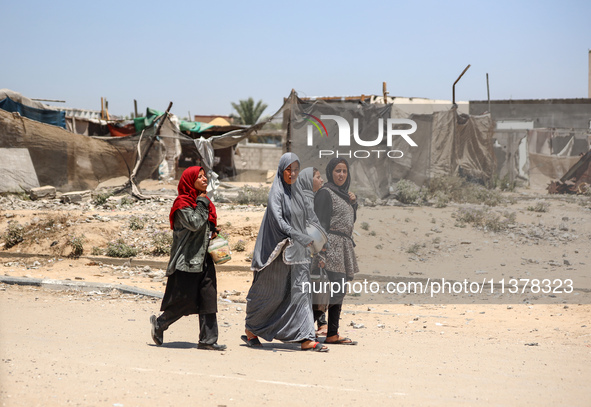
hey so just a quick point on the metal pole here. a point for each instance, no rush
(454, 86)
(50, 100)
(488, 92)
(135, 108)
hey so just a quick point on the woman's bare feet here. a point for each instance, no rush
(249, 334)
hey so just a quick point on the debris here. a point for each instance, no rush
(46, 192)
(577, 179)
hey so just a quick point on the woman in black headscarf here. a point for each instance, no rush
(277, 305)
(336, 209)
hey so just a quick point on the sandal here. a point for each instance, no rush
(253, 342)
(317, 347)
(342, 341)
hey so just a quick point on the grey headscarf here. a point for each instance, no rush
(284, 222)
(306, 182)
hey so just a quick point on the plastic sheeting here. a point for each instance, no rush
(447, 143)
(53, 117)
(71, 161)
(152, 115)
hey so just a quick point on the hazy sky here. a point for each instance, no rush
(203, 55)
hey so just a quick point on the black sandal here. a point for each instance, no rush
(253, 342)
(318, 347)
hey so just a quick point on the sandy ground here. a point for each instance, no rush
(90, 348)
(76, 349)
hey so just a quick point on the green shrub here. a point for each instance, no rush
(96, 251)
(504, 184)
(100, 199)
(539, 207)
(453, 188)
(162, 241)
(126, 201)
(441, 199)
(485, 218)
(408, 192)
(119, 248)
(136, 223)
(14, 235)
(239, 246)
(76, 242)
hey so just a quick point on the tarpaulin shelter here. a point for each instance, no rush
(70, 161)
(15, 103)
(447, 142)
(537, 140)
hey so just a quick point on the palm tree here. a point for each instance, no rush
(249, 112)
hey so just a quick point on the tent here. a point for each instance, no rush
(446, 142)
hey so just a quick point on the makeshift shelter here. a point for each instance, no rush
(16, 103)
(55, 149)
(70, 161)
(537, 141)
(447, 142)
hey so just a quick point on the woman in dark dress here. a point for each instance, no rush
(336, 209)
(191, 287)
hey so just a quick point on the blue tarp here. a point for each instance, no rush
(54, 117)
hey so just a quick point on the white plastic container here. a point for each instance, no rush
(219, 250)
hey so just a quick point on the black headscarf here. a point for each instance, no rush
(323, 201)
(343, 190)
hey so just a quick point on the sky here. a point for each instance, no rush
(203, 55)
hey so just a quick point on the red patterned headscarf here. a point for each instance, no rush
(188, 195)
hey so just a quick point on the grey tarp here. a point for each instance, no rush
(462, 144)
(447, 143)
(71, 161)
(17, 173)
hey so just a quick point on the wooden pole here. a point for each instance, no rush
(385, 92)
(153, 138)
(102, 109)
(454, 85)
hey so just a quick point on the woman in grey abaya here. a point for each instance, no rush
(277, 306)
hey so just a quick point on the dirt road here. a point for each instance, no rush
(91, 349)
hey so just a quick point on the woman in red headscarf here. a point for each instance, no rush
(191, 287)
